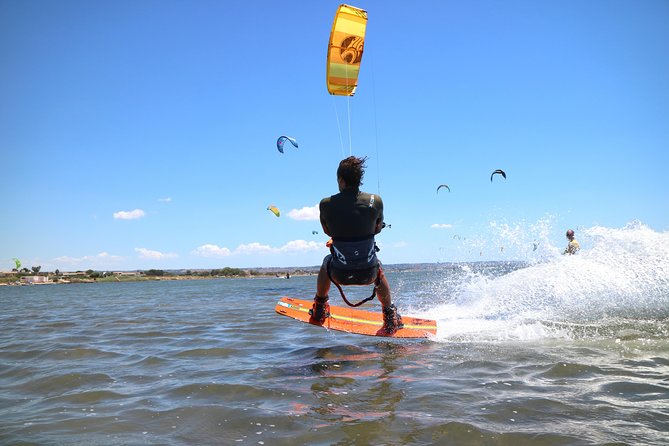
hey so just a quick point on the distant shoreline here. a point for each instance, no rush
(15, 278)
(27, 279)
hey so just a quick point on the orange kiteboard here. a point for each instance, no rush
(352, 320)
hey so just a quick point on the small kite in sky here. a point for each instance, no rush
(274, 209)
(498, 171)
(282, 140)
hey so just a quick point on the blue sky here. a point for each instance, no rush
(137, 135)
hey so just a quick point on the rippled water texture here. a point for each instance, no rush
(562, 351)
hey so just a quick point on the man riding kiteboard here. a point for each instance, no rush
(352, 218)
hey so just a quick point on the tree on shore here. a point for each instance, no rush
(228, 272)
(155, 272)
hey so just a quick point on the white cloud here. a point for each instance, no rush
(155, 255)
(255, 248)
(129, 215)
(290, 247)
(441, 226)
(305, 214)
(210, 250)
(165, 200)
(67, 259)
(301, 246)
(106, 255)
(96, 259)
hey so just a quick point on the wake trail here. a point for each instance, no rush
(620, 279)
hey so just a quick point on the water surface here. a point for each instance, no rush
(564, 351)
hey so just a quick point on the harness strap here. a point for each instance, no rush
(341, 291)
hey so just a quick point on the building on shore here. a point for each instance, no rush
(34, 279)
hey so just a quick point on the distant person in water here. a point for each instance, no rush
(572, 246)
(352, 218)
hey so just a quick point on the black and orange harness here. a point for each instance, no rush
(352, 255)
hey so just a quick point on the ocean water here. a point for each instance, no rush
(552, 350)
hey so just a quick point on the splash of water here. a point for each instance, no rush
(619, 280)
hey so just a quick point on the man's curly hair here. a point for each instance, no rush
(351, 170)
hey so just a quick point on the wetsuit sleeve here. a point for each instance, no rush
(378, 203)
(323, 206)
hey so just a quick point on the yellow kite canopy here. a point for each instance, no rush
(274, 209)
(347, 41)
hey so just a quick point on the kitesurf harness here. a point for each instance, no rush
(351, 255)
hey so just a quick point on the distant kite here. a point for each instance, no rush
(314, 232)
(499, 171)
(443, 185)
(274, 209)
(282, 140)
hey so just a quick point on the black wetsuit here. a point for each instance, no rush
(350, 218)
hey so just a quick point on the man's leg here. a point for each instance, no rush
(323, 281)
(392, 320)
(383, 290)
(321, 309)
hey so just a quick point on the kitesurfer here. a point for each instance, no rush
(352, 218)
(572, 246)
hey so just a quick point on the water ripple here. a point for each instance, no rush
(211, 363)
